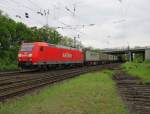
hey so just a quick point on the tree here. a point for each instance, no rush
(1, 12)
(4, 38)
(23, 33)
(47, 34)
(67, 41)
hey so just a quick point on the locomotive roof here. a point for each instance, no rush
(52, 45)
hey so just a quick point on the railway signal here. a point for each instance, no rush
(26, 15)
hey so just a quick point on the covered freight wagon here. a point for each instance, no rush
(91, 58)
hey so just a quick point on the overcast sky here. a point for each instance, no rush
(118, 23)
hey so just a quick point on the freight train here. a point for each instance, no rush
(45, 55)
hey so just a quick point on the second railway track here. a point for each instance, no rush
(13, 73)
(134, 92)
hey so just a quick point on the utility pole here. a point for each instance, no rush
(129, 52)
(45, 13)
(75, 41)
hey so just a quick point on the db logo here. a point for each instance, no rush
(67, 55)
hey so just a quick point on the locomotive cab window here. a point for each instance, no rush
(27, 47)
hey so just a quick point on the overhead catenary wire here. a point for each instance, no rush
(23, 6)
(19, 4)
(72, 11)
(65, 26)
(36, 5)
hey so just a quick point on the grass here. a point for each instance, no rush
(141, 70)
(92, 93)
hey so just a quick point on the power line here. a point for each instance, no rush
(18, 15)
(19, 4)
(46, 14)
(36, 5)
(72, 11)
(69, 10)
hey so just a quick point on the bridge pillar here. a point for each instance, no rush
(147, 54)
(130, 56)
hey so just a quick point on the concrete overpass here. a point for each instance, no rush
(145, 51)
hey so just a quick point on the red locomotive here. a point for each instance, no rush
(41, 54)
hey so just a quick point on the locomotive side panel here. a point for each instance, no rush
(55, 55)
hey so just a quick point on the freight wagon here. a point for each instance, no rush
(95, 58)
(91, 58)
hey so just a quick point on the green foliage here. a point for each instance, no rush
(4, 38)
(23, 33)
(67, 41)
(138, 57)
(92, 93)
(7, 64)
(140, 70)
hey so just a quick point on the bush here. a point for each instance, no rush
(7, 64)
(140, 70)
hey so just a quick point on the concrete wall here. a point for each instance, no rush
(147, 54)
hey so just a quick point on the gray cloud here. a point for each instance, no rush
(116, 23)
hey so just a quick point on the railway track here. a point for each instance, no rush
(134, 93)
(12, 73)
(22, 82)
(9, 73)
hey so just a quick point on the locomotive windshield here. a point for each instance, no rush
(27, 47)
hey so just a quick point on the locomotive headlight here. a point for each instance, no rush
(19, 55)
(30, 55)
